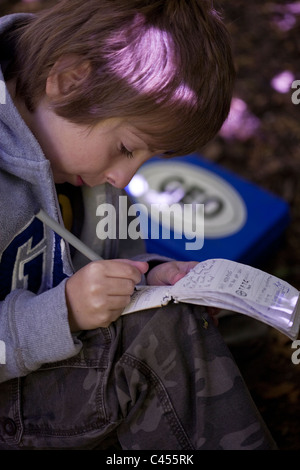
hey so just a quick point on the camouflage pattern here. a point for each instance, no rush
(161, 379)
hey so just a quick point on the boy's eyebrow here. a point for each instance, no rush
(165, 155)
(169, 154)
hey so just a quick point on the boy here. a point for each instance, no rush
(95, 89)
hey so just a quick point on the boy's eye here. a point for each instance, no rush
(126, 152)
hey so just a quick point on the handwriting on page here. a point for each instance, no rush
(147, 297)
(201, 277)
(240, 281)
(231, 286)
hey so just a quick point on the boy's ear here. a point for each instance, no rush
(65, 77)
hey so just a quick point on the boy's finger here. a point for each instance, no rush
(142, 266)
(124, 269)
(120, 287)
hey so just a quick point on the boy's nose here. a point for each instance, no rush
(120, 177)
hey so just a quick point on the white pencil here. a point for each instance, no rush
(68, 236)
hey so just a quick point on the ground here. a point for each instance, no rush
(263, 147)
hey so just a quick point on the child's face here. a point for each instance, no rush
(111, 152)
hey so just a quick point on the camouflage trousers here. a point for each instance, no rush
(159, 379)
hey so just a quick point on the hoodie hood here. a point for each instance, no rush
(20, 152)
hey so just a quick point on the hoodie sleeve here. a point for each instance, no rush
(34, 330)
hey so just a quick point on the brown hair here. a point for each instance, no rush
(166, 65)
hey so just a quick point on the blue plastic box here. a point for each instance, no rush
(242, 222)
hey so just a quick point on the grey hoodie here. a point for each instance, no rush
(34, 262)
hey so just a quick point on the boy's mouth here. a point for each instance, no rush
(80, 181)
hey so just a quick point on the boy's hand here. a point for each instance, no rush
(167, 274)
(97, 294)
